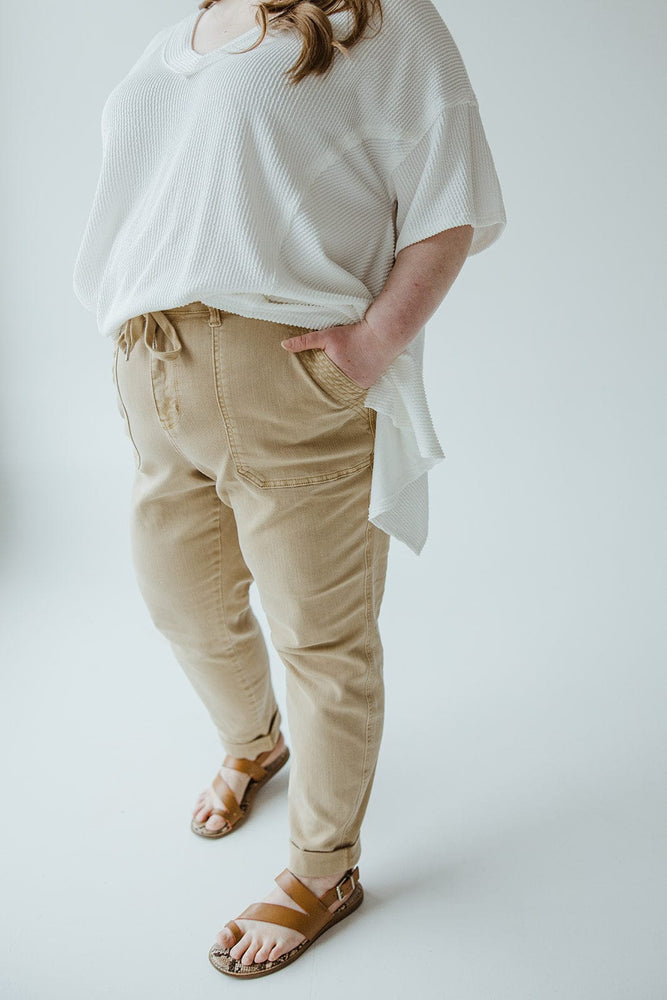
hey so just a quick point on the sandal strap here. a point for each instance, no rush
(235, 929)
(251, 767)
(301, 894)
(275, 913)
(317, 907)
(341, 888)
(232, 812)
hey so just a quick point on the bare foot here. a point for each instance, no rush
(237, 781)
(265, 942)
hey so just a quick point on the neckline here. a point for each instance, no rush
(232, 41)
(179, 55)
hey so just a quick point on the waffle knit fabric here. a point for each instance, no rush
(220, 182)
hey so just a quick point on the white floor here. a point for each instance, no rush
(514, 847)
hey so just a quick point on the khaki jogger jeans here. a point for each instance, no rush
(254, 463)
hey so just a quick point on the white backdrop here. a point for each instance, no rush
(514, 847)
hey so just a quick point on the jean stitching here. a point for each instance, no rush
(243, 470)
(267, 484)
(220, 397)
(371, 415)
(350, 389)
(166, 430)
(169, 412)
(214, 318)
(345, 850)
(333, 381)
(370, 721)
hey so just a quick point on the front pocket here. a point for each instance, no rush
(289, 422)
(333, 379)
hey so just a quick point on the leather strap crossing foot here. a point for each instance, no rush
(251, 767)
(236, 931)
(232, 811)
(317, 907)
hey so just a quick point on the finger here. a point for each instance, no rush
(312, 338)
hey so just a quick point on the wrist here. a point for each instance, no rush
(390, 329)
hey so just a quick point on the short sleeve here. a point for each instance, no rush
(448, 178)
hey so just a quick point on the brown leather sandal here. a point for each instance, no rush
(315, 921)
(234, 813)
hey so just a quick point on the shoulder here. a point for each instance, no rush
(414, 21)
(413, 13)
(410, 70)
(420, 51)
(160, 36)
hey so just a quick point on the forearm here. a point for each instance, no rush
(421, 276)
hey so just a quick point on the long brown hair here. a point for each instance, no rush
(311, 19)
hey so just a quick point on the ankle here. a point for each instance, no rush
(321, 882)
(278, 746)
(280, 742)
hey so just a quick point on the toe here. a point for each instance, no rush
(264, 951)
(250, 952)
(239, 949)
(275, 952)
(225, 938)
(215, 822)
(203, 809)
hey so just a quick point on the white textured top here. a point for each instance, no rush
(221, 183)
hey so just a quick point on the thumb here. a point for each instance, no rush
(312, 338)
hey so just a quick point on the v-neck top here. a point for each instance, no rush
(222, 182)
(180, 56)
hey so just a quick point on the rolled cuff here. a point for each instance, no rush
(314, 863)
(254, 747)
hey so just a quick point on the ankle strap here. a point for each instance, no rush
(342, 887)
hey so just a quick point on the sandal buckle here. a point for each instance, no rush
(342, 882)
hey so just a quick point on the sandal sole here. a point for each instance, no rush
(246, 802)
(236, 969)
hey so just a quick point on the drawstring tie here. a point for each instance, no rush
(146, 325)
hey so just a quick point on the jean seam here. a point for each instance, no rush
(368, 561)
(167, 424)
(295, 483)
(165, 428)
(334, 850)
(219, 395)
(316, 361)
(341, 377)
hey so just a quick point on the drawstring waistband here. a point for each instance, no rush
(146, 325)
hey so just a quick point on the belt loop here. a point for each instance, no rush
(214, 317)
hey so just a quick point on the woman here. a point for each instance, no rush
(285, 198)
